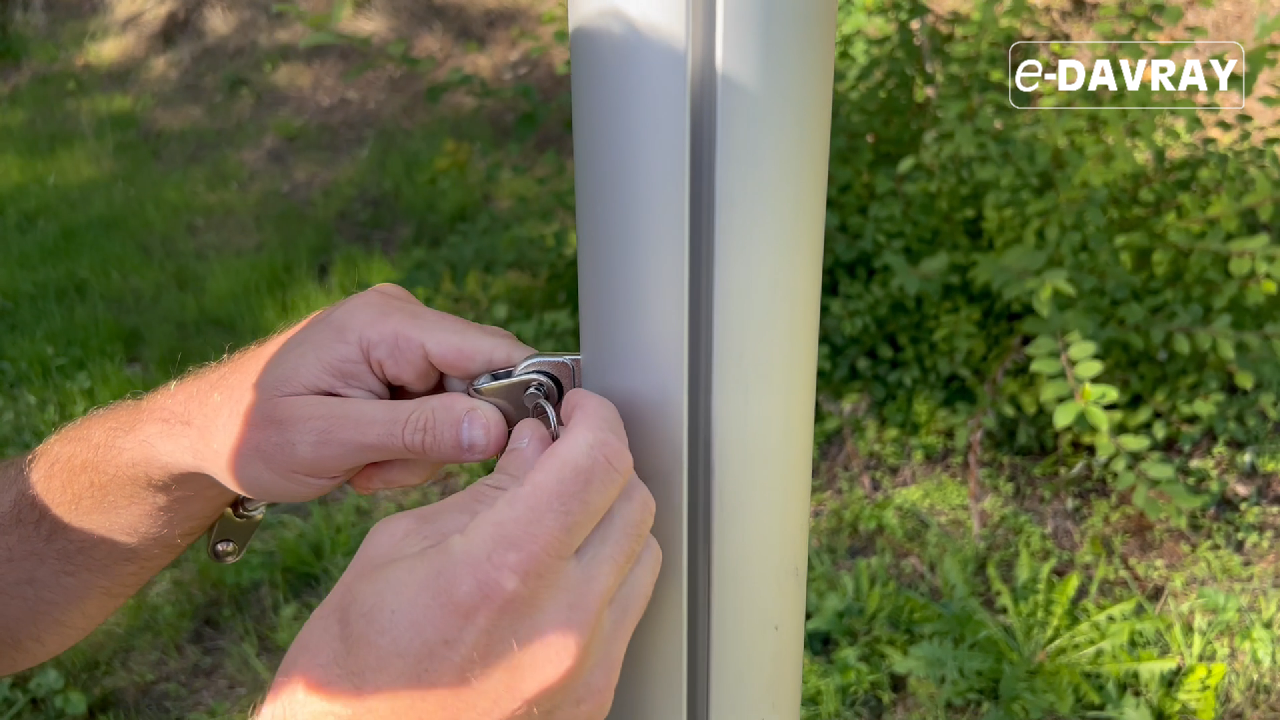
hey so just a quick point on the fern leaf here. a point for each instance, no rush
(1084, 631)
(1062, 601)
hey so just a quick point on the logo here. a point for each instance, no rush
(1127, 75)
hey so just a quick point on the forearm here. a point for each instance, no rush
(91, 516)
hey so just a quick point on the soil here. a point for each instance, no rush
(238, 63)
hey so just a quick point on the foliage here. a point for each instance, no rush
(908, 617)
(13, 41)
(46, 692)
(1115, 271)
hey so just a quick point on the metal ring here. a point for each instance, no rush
(553, 422)
(246, 506)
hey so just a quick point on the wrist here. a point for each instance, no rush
(206, 413)
(171, 434)
(114, 472)
(177, 430)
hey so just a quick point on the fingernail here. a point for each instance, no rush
(475, 433)
(520, 436)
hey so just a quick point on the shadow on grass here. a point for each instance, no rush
(158, 247)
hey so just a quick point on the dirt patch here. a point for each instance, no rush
(265, 72)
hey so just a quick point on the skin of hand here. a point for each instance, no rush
(306, 411)
(514, 598)
(351, 394)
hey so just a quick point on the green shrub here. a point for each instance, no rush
(908, 618)
(12, 43)
(1099, 282)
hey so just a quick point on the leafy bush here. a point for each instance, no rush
(12, 42)
(1072, 282)
(45, 690)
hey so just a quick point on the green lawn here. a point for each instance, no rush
(131, 249)
(129, 254)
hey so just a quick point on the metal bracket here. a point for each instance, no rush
(533, 388)
(232, 531)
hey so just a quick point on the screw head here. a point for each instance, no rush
(225, 550)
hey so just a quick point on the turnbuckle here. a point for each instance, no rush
(534, 388)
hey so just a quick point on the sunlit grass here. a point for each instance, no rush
(129, 254)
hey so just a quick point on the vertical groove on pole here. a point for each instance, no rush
(702, 177)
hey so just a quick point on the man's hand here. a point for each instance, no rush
(514, 598)
(293, 418)
(349, 395)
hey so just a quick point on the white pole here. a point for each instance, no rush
(701, 132)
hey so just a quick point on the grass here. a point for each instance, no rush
(1064, 603)
(134, 245)
(129, 254)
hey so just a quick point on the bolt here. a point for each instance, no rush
(532, 395)
(225, 550)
